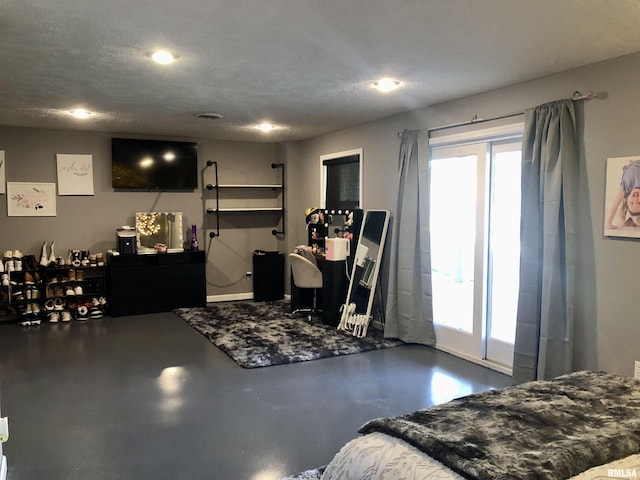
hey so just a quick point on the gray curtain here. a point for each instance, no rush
(544, 330)
(409, 313)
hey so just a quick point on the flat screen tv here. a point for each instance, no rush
(154, 164)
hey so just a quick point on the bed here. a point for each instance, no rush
(581, 426)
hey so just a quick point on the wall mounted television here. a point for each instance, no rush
(145, 165)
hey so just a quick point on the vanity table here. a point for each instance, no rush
(330, 297)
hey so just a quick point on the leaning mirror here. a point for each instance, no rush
(356, 312)
(156, 228)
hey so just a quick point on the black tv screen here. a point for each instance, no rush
(154, 164)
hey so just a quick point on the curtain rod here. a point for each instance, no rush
(577, 95)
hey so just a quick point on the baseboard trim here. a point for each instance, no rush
(234, 296)
(485, 363)
(3, 468)
(229, 297)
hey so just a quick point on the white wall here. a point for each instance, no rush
(607, 328)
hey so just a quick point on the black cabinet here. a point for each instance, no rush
(152, 283)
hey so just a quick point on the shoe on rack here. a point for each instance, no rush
(69, 292)
(49, 305)
(77, 290)
(17, 265)
(58, 304)
(95, 312)
(16, 254)
(80, 275)
(100, 259)
(44, 256)
(28, 278)
(52, 255)
(71, 303)
(82, 313)
(25, 320)
(1, 267)
(65, 316)
(5, 280)
(54, 317)
(7, 255)
(72, 275)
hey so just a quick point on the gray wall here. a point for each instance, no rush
(89, 222)
(607, 329)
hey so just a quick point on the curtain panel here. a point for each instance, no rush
(409, 313)
(550, 165)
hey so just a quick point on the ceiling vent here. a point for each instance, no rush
(210, 116)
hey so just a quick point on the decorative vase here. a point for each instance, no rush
(194, 238)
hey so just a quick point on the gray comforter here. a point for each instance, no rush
(539, 430)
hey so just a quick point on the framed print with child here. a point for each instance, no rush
(622, 197)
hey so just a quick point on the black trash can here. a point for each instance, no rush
(268, 275)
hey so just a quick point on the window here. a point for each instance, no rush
(341, 179)
(475, 242)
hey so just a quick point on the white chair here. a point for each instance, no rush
(306, 275)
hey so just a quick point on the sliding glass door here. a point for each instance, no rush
(475, 247)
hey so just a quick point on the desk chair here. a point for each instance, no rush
(306, 275)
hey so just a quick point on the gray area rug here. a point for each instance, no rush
(262, 334)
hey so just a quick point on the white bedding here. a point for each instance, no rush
(377, 456)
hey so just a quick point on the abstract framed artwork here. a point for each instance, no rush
(28, 199)
(622, 197)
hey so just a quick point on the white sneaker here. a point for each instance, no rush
(66, 316)
(17, 264)
(78, 290)
(5, 280)
(54, 317)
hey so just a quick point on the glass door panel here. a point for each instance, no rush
(456, 178)
(504, 251)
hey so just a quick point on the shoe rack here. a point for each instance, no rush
(32, 292)
(74, 293)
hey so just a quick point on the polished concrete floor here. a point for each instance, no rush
(147, 397)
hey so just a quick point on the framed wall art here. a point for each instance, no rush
(2, 177)
(75, 174)
(622, 197)
(27, 199)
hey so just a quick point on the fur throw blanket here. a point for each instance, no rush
(538, 430)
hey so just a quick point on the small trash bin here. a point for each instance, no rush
(268, 275)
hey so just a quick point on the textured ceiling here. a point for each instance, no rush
(305, 65)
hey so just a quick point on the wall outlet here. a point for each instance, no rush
(636, 371)
(4, 429)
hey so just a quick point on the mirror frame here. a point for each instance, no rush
(175, 243)
(360, 251)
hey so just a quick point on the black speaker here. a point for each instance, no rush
(268, 275)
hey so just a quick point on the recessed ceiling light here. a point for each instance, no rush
(80, 113)
(265, 127)
(386, 84)
(163, 57)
